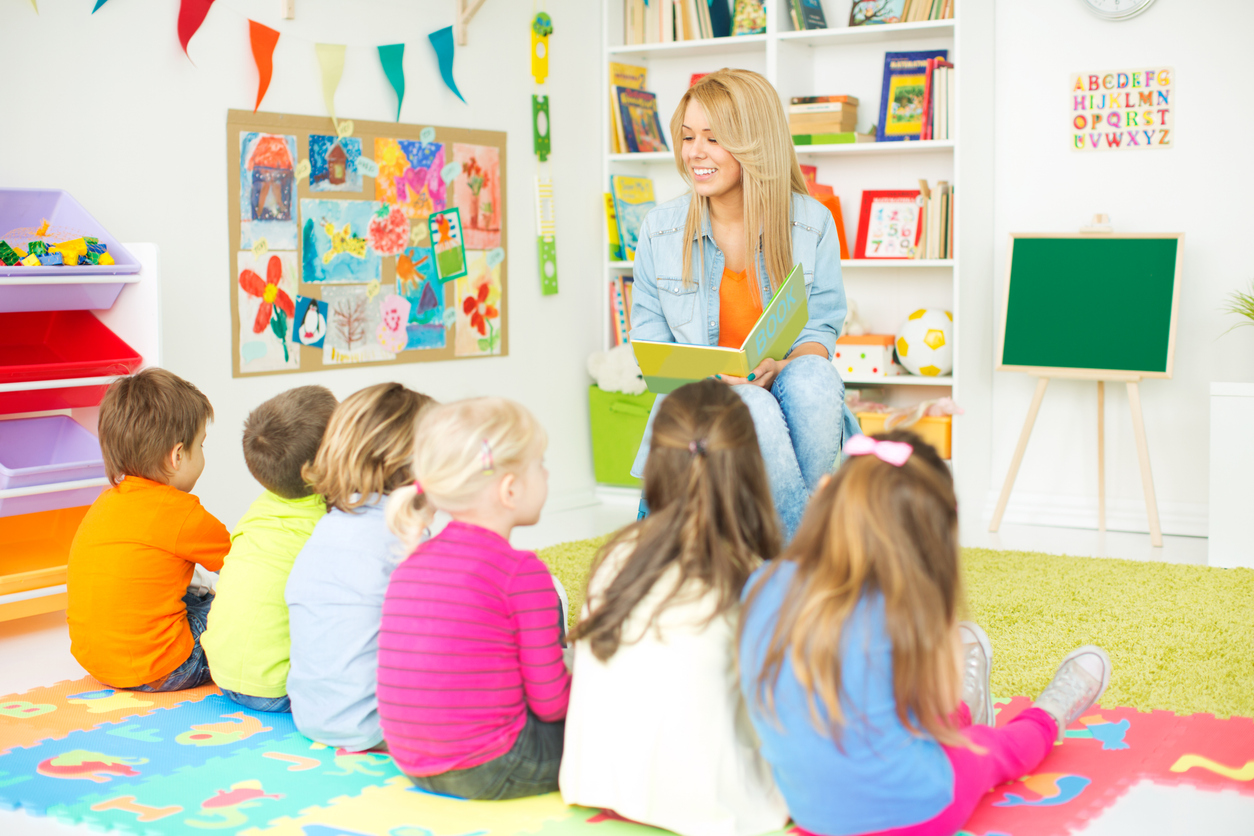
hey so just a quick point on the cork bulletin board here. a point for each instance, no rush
(371, 244)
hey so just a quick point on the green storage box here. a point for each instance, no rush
(618, 422)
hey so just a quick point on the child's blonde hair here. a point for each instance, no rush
(365, 451)
(461, 448)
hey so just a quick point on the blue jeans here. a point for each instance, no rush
(530, 767)
(195, 671)
(278, 705)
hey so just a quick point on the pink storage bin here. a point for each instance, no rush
(45, 451)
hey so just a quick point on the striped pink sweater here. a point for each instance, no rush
(470, 642)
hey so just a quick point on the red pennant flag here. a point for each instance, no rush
(191, 15)
(263, 39)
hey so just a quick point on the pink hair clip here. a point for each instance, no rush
(697, 447)
(418, 487)
(895, 453)
(486, 455)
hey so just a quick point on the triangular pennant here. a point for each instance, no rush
(331, 59)
(96, 7)
(34, 5)
(442, 42)
(191, 15)
(263, 39)
(390, 57)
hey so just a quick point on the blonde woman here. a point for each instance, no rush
(707, 264)
(335, 591)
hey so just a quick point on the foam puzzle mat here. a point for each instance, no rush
(177, 763)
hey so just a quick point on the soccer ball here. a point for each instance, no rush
(925, 344)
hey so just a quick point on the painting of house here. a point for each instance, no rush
(267, 190)
(333, 163)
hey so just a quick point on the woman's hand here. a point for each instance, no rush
(766, 372)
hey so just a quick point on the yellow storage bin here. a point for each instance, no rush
(935, 430)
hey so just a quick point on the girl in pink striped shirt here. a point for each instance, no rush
(472, 686)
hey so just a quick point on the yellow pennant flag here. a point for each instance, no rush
(34, 5)
(331, 58)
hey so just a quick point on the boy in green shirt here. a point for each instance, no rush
(246, 642)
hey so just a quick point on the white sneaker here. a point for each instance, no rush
(977, 665)
(1080, 681)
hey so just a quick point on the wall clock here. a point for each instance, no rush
(1117, 9)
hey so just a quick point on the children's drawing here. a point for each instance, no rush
(333, 163)
(413, 267)
(309, 327)
(478, 308)
(353, 324)
(426, 316)
(389, 230)
(394, 311)
(477, 192)
(334, 246)
(267, 190)
(409, 175)
(266, 286)
(447, 243)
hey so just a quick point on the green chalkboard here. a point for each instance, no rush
(1102, 303)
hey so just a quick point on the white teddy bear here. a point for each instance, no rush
(616, 370)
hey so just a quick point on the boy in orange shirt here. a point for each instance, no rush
(133, 621)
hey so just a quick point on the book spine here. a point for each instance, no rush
(628, 282)
(611, 229)
(797, 100)
(822, 107)
(620, 312)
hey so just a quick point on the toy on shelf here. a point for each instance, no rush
(925, 343)
(866, 355)
(71, 253)
(931, 420)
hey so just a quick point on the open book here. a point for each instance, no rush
(667, 366)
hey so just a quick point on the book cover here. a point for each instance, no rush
(642, 129)
(720, 18)
(749, 17)
(868, 12)
(901, 96)
(853, 100)
(633, 198)
(889, 224)
(808, 14)
(667, 366)
(630, 77)
(928, 94)
(611, 229)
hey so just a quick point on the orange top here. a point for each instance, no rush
(130, 564)
(739, 307)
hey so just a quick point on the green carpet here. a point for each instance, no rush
(1180, 638)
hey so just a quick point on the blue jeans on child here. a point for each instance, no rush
(195, 671)
(530, 767)
(277, 705)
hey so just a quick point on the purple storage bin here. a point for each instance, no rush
(76, 296)
(44, 451)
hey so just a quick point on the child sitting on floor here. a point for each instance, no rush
(134, 623)
(472, 686)
(656, 729)
(246, 641)
(335, 591)
(871, 699)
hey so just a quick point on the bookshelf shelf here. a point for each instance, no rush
(888, 32)
(901, 380)
(687, 49)
(893, 263)
(643, 157)
(865, 148)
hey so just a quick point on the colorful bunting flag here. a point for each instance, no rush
(34, 5)
(331, 59)
(390, 57)
(191, 15)
(442, 42)
(263, 39)
(96, 7)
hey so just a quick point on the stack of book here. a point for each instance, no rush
(915, 10)
(633, 112)
(938, 95)
(620, 309)
(936, 228)
(664, 21)
(807, 14)
(868, 12)
(822, 120)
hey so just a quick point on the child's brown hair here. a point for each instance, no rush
(283, 434)
(367, 446)
(875, 528)
(710, 511)
(143, 417)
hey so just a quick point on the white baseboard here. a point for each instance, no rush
(569, 500)
(1189, 519)
(618, 494)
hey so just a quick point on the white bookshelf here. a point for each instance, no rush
(850, 60)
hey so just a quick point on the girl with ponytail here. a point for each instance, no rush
(656, 729)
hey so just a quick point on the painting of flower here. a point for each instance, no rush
(479, 306)
(477, 192)
(266, 310)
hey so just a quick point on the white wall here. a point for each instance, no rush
(137, 133)
(1199, 187)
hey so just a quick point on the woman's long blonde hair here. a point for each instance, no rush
(875, 529)
(459, 448)
(365, 452)
(748, 120)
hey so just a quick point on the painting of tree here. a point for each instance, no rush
(349, 320)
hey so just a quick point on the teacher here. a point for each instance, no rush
(708, 262)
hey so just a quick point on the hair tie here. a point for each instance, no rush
(418, 487)
(895, 453)
(697, 447)
(486, 455)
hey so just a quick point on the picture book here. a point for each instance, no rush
(642, 129)
(667, 366)
(611, 228)
(720, 18)
(807, 14)
(889, 224)
(630, 77)
(867, 12)
(901, 96)
(749, 17)
(633, 198)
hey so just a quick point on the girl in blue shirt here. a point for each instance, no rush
(708, 262)
(871, 700)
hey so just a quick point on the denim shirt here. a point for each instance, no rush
(663, 310)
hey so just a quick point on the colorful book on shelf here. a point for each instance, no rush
(623, 76)
(842, 138)
(749, 17)
(633, 23)
(611, 229)
(618, 312)
(807, 14)
(642, 129)
(666, 365)
(720, 18)
(633, 198)
(822, 107)
(901, 95)
(800, 100)
(889, 224)
(869, 12)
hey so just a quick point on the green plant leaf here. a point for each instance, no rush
(485, 344)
